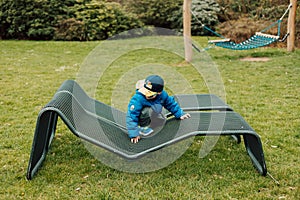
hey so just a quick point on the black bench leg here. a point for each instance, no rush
(44, 133)
(237, 138)
(254, 149)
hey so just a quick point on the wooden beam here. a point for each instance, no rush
(187, 30)
(291, 28)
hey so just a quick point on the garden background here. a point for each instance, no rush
(38, 52)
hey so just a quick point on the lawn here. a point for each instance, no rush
(265, 93)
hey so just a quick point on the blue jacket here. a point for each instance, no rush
(139, 101)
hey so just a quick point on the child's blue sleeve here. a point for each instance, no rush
(171, 105)
(132, 116)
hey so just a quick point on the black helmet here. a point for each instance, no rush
(154, 83)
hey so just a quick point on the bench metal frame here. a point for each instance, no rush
(105, 126)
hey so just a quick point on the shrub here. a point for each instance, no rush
(96, 21)
(205, 11)
(70, 30)
(158, 13)
(243, 28)
(63, 20)
(168, 13)
(31, 19)
(233, 9)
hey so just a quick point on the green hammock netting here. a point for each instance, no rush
(255, 41)
(259, 39)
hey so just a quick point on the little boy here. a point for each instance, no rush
(146, 106)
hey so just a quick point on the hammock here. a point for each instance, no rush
(259, 39)
(255, 41)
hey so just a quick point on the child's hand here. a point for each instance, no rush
(185, 116)
(135, 140)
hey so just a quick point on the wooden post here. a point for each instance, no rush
(291, 27)
(187, 29)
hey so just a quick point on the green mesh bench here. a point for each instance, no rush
(104, 126)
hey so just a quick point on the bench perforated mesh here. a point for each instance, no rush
(105, 127)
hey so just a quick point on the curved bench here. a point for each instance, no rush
(105, 126)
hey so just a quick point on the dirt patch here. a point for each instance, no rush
(255, 59)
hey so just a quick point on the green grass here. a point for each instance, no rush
(266, 94)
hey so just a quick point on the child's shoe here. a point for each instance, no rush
(145, 131)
